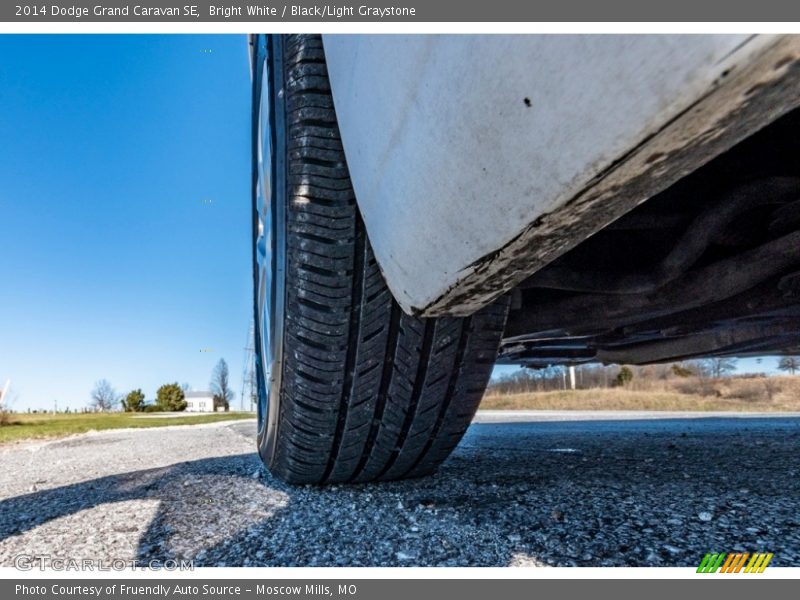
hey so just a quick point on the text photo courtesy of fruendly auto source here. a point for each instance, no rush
(400, 300)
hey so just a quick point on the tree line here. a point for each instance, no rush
(170, 397)
(606, 376)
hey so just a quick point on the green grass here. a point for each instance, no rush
(33, 426)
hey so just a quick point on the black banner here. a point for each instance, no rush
(415, 11)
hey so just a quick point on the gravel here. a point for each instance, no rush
(638, 492)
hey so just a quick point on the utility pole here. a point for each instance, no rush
(4, 392)
(248, 370)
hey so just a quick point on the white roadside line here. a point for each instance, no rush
(579, 415)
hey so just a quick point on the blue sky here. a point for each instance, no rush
(124, 212)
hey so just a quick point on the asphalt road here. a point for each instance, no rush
(583, 489)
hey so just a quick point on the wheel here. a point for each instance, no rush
(351, 388)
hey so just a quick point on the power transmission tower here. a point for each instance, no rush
(4, 391)
(248, 371)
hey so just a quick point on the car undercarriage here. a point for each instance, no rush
(708, 267)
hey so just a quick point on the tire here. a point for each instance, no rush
(351, 389)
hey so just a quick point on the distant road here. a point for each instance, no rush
(533, 416)
(591, 489)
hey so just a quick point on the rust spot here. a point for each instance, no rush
(654, 157)
(783, 62)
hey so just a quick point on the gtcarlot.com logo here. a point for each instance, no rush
(28, 562)
(735, 563)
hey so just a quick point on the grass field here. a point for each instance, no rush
(30, 426)
(779, 394)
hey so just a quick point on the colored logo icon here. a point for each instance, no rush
(735, 563)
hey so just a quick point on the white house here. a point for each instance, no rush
(199, 402)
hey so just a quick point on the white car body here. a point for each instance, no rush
(476, 160)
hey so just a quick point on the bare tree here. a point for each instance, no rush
(220, 385)
(104, 396)
(525, 381)
(789, 363)
(715, 368)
